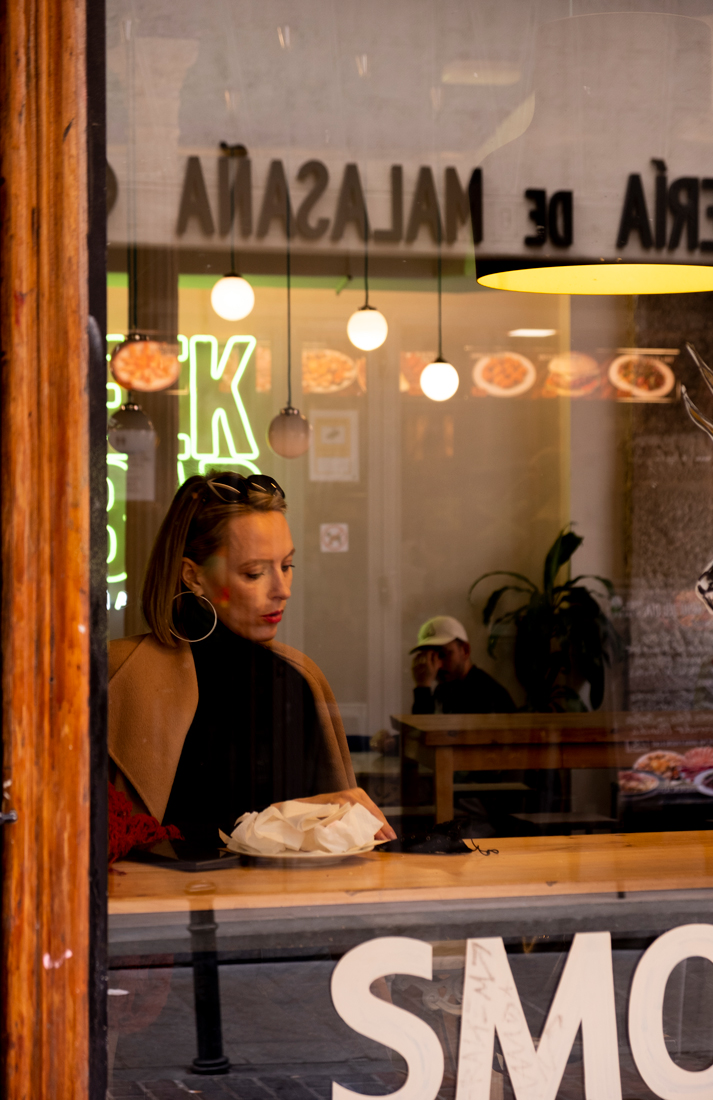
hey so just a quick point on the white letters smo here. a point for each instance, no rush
(585, 995)
(653, 1062)
(386, 1023)
(491, 1004)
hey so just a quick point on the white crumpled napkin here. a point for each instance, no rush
(303, 827)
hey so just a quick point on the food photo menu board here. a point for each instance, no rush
(662, 780)
(628, 374)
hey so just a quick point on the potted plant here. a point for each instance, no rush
(563, 638)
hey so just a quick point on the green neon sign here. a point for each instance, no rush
(223, 449)
(213, 441)
(117, 465)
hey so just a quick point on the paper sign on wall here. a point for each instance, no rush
(334, 538)
(334, 449)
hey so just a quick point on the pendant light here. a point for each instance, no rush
(129, 429)
(289, 432)
(601, 115)
(439, 380)
(232, 297)
(367, 328)
(602, 278)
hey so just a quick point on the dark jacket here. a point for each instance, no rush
(153, 697)
(476, 693)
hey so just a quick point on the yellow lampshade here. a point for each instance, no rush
(604, 279)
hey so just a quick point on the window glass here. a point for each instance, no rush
(435, 279)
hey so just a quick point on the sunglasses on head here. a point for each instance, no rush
(235, 489)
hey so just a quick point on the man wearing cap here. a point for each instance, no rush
(447, 681)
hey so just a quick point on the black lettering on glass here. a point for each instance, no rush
(661, 203)
(318, 171)
(194, 200)
(560, 219)
(274, 203)
(707, 185)
(475, 201)
(235, 198)
(634, 215)
(538, 215)
(457, 205)
(424, 208)
(351, 205)
(396, 232)
(685, 214)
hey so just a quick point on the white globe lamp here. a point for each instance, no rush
(439, 380)
(232, 297)
(367, 328)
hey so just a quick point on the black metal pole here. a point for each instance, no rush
(206, 989)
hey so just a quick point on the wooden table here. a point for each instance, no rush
(494, 742)
(523, 867)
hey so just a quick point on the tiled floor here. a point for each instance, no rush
(310, 1086)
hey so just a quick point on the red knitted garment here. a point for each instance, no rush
(127, 830)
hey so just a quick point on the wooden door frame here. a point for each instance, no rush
(53, 546)
(97, 266)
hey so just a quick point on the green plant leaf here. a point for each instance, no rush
(494, 599)
(559, 554)
(563, 635)
(593, 577)
(566, 699)
(502, 573)
(533, 658)
(500, 628)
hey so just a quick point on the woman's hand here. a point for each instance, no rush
(356, 794)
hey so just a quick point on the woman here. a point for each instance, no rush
(209, 717)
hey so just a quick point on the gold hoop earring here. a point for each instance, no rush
(210, 605)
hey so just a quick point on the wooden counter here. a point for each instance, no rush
(524, 867)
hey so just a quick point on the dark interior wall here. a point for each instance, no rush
(670, 535)
(153, 278)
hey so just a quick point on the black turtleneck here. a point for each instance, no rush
(255, 738)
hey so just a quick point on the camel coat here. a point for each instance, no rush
(153, 695)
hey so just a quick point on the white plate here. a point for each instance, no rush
(699, 784)
(669, 378)
(499, 391)
(322, 858)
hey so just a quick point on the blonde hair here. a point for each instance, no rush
(194, 527)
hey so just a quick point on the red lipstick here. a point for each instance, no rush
(274, 617)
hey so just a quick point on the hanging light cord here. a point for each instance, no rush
(289, 306)
(440, 307)
(366, 259)
(132, 272)
(232, 220)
